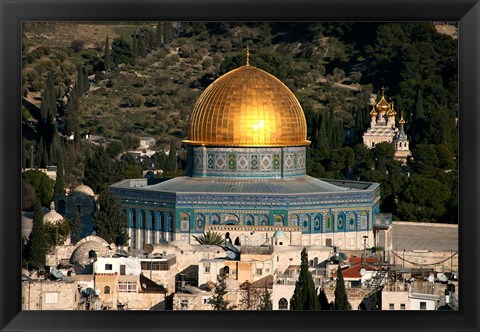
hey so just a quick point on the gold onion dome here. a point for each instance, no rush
(402, 121)
(247, 107)
(391, 112)
(373, 112)
(383, 105)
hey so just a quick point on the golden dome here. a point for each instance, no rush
(247, 107)
(383, 105)
(372, 112)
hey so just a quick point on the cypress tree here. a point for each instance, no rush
(217, 301)
(59, 188)
(322, 299)
(322, 134)
(341, 299)
(37, 238)
(305, 295)
(135, 49)
(167, 33)
(171, 163)
(48, 112)
(419, 112)
(159, 35)
(107, 62)
(75, 227)
(109, 221)
(265, 299)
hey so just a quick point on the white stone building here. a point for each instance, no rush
(383, 129)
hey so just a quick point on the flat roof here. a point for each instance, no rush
(291, 185)
(424, 236)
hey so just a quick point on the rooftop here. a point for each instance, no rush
(424, 236)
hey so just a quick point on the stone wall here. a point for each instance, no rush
(49, 295)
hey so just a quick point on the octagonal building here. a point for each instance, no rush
(246, 153)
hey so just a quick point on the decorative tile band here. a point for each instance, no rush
(269, 162)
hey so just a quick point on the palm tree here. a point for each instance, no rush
(210, 238)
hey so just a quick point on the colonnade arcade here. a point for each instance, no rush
(151, 226)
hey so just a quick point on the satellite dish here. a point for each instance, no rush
(362, 272)
(342, 256)
(231, 255)
(57, 274)
(442, 277)
(210, 285)
(148, 248)
(90, 291)
(431, 278)
(98, 292)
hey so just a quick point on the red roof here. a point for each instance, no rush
(353, 272)
(354, 259)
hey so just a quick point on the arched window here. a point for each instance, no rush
(214, 219)
(106, 290)
(283, 304)
(294, 220)
(249, 220)
(329, 225)
(278, 220)
(364, 220)
(263, 220)
(231, 219)
(184, 222)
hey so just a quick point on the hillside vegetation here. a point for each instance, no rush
(142, 79)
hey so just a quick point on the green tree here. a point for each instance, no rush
(341, 299)
(76, 227)
(265, 299)
(114, 149)
(42, 184)
(217, 301)
(56, 234)
(29, 196)
(100, 171)
(60, 179)
(322, 299)
(37, 240)
(304, 296)
(107, 61)
(167, 33)
(171, 163)
(121, 51)
(109, 221)
(210, 238)
(249, 298)
(159, 34)
(46, 126)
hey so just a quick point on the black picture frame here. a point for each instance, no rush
(14, 12)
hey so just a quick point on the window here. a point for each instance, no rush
(205, 299)
(423, 305)
(155, 266)
(207, 268)
(127, 287)
(283, 304)
(402, 306)
(108, 267)
(391, 306)
(106, 290)
(259, 272)
(51, 298)
(184, 304)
